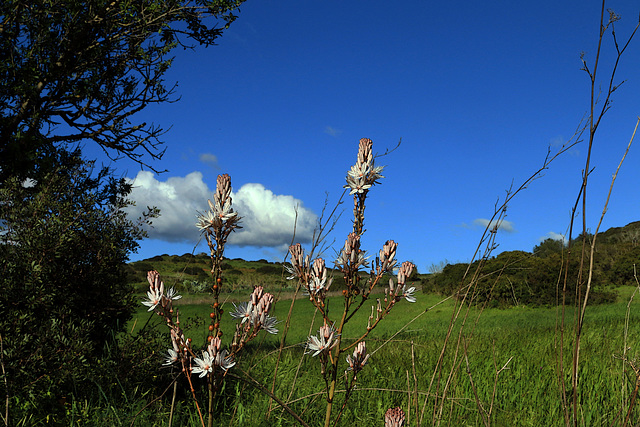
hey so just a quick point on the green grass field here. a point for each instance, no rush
(402, 365)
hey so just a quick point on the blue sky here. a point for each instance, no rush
(478, 91)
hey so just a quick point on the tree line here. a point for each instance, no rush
(536, 278)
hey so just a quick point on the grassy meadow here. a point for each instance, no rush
(402, 368)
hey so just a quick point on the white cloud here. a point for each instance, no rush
(503, 225)
(267, 219)
(209, 159)
(552, 235)
(332, 131)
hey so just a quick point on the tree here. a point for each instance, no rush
(548, 247)
(64, 238)
(72, 71)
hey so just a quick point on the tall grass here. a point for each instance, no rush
(527, 392)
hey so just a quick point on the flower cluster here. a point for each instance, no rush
(364, 173)
(212, 357)
(394, 417)
(174, 354)
(318, 283)
(351, 258)
(359, 358)
(323, 343)
(385, 263)
(299, 263)
(255, 313)
(156, 296)
(396, 293)
(220, 211)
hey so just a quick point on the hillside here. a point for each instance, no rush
(532, 278)
(189, 274)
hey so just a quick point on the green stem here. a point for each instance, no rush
(210, 420)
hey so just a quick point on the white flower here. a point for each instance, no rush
(408, 294)
(154, 296)
(243, 311)
(172, 294)
(293, 273)
(323, 342)
(171, 357)
(205, 365)
(269, 325)
(205, 220)
(224, 361)
(223, 212)
(359, 359)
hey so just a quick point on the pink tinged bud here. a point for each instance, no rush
(394, 417)
(387, 256)
(296, 253)
(223, 189)
(359, 359)
(319, 270)
(256, 295)
(364, 151)
(405, 271)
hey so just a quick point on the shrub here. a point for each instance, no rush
(64, 240)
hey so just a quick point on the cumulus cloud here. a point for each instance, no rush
(552, 235)
(332, 131)
(267, 219)
(209, 159)
(503, 225)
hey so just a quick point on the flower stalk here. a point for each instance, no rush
(351, 261)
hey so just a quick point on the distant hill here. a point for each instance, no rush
(510, 278)
(191, 274)
(531, 278)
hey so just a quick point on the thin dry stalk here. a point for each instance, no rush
(295, 377)
(593, 126)
(626, 333)
(408, 396)
(634, 394)
(415, 386)
(247, 379)
(495, 381)
(487, 237)
(583, 308)
(320, 233)
(173, 403)
(483, 413)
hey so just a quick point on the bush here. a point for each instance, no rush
(193, 271)
(65, 294)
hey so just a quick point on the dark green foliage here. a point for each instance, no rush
(91, 65)
(522, 278)
(194, 271)
(548, 248)
(144, 266)
(269, 269)
(65, 239)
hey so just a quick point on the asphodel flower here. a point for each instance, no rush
(325, 341)
(364, 174)
(359, 358)
(220, 209)
(155, 292)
